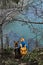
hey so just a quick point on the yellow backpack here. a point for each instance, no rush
(23, 50)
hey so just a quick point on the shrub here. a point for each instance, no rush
(8, 51)
(25, 58)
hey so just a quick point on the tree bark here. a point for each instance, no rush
(1, 37)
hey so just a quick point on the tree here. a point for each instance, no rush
(1, 35)
(7, 3)
(4, 3)
(16, 1)
(7, 41)
(36, 12)
(1, 38)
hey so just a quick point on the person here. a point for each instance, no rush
(23, 43)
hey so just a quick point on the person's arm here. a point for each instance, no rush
(20, 45)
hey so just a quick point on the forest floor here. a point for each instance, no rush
(36, 55)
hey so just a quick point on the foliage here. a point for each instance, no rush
(8, 50)
(25, 58)
(10, 62)
(41, 62)
(35, 55)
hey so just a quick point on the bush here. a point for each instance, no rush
(25, 58)
(8, 51)
(11, 62)
(36, 55)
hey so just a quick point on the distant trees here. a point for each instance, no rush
(7, 3)
(7, 41)
(34, 30)
(16, 1)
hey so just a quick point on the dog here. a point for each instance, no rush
(17, 49)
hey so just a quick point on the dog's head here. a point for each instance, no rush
(16, 43)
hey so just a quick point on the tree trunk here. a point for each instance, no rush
(1, 37)
(36, 41)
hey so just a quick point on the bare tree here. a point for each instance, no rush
(8, 15)
(7, 41)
